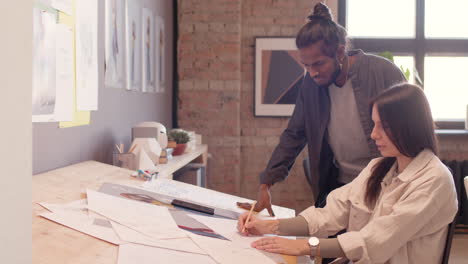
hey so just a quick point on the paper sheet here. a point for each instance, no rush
(132, 253)
(87, 72)
(114, 39)
(204, 196)
(80, 118)
(228, 229)
(133, 41)
(179, 244)
(75, 206)
(65, 73)
(227, 252)
(152, 220)
(81, 222)
(65, 6)
(43, 86)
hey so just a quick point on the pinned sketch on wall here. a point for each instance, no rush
(65, 78)
(43, 93)
(86, 55)
(114, 63)
(160, 54)
(148, 48)
(133, 26)
(65, 6)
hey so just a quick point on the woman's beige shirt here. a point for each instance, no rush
(409, 222)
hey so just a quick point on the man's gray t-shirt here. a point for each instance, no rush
(345, 133)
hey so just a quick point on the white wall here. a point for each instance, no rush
(15, 132)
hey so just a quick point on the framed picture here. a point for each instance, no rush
(148, 48)
(133, 31)
(278, 76)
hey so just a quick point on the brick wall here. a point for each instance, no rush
(216, 58)
(216, 73)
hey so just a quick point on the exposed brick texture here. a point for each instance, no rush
(216, 74)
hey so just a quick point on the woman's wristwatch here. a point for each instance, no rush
(314, 244)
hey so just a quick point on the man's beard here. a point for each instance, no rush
(334, 75)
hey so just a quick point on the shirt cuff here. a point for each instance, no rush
(353, 246)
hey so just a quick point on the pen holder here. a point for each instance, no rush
(124, 160)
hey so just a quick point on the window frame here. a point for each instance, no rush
(419, 47)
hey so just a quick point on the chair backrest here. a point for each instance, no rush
(466, 186)
(448, 242)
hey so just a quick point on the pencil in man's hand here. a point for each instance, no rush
(248, 216)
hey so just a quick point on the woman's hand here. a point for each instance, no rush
(283, 246)
(256, 226)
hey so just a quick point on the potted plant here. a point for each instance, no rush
(181, 137)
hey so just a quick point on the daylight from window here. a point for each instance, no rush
(445, 75)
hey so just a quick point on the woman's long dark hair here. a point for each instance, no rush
(321, 27)
(407, 120)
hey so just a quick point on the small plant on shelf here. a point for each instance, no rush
(181, 137)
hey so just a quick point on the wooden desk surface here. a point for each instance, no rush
(53, 243)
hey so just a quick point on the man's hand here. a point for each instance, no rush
(263, 200)
(281, 245)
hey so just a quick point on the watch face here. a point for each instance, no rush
(313, 241)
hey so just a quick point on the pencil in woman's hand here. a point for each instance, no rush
(248, 216)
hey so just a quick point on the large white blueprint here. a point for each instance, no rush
(208, 197)
(133, 253)
(148, 219)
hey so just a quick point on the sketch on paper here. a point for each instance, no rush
(160, 52)
(114, 63)
(133, 26)
(44, 90)
(148, 48)
(86, 55)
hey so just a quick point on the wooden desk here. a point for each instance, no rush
(53, 243)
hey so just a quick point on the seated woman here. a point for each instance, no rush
(396, 211)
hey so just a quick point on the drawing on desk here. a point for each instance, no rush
(80, 221)
(178, 244)
(182, 220)
(152, 220)
(132, 253)
(203, 196)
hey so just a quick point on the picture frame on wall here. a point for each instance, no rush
(160, 55)
(133, 44)
(278, 76)
(148, 51)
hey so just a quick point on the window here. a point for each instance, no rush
(428, 37)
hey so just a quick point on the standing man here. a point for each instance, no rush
(332, 113)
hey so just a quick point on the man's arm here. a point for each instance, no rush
(292, 141)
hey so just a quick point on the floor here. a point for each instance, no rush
(459, 251)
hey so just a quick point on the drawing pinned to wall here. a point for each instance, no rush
(160, 54)
(65, 6)
(87, 81)
(133, 26)
(114, 64)
(148, 47)
(43, 93)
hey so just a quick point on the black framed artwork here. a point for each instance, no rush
(278, 76)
